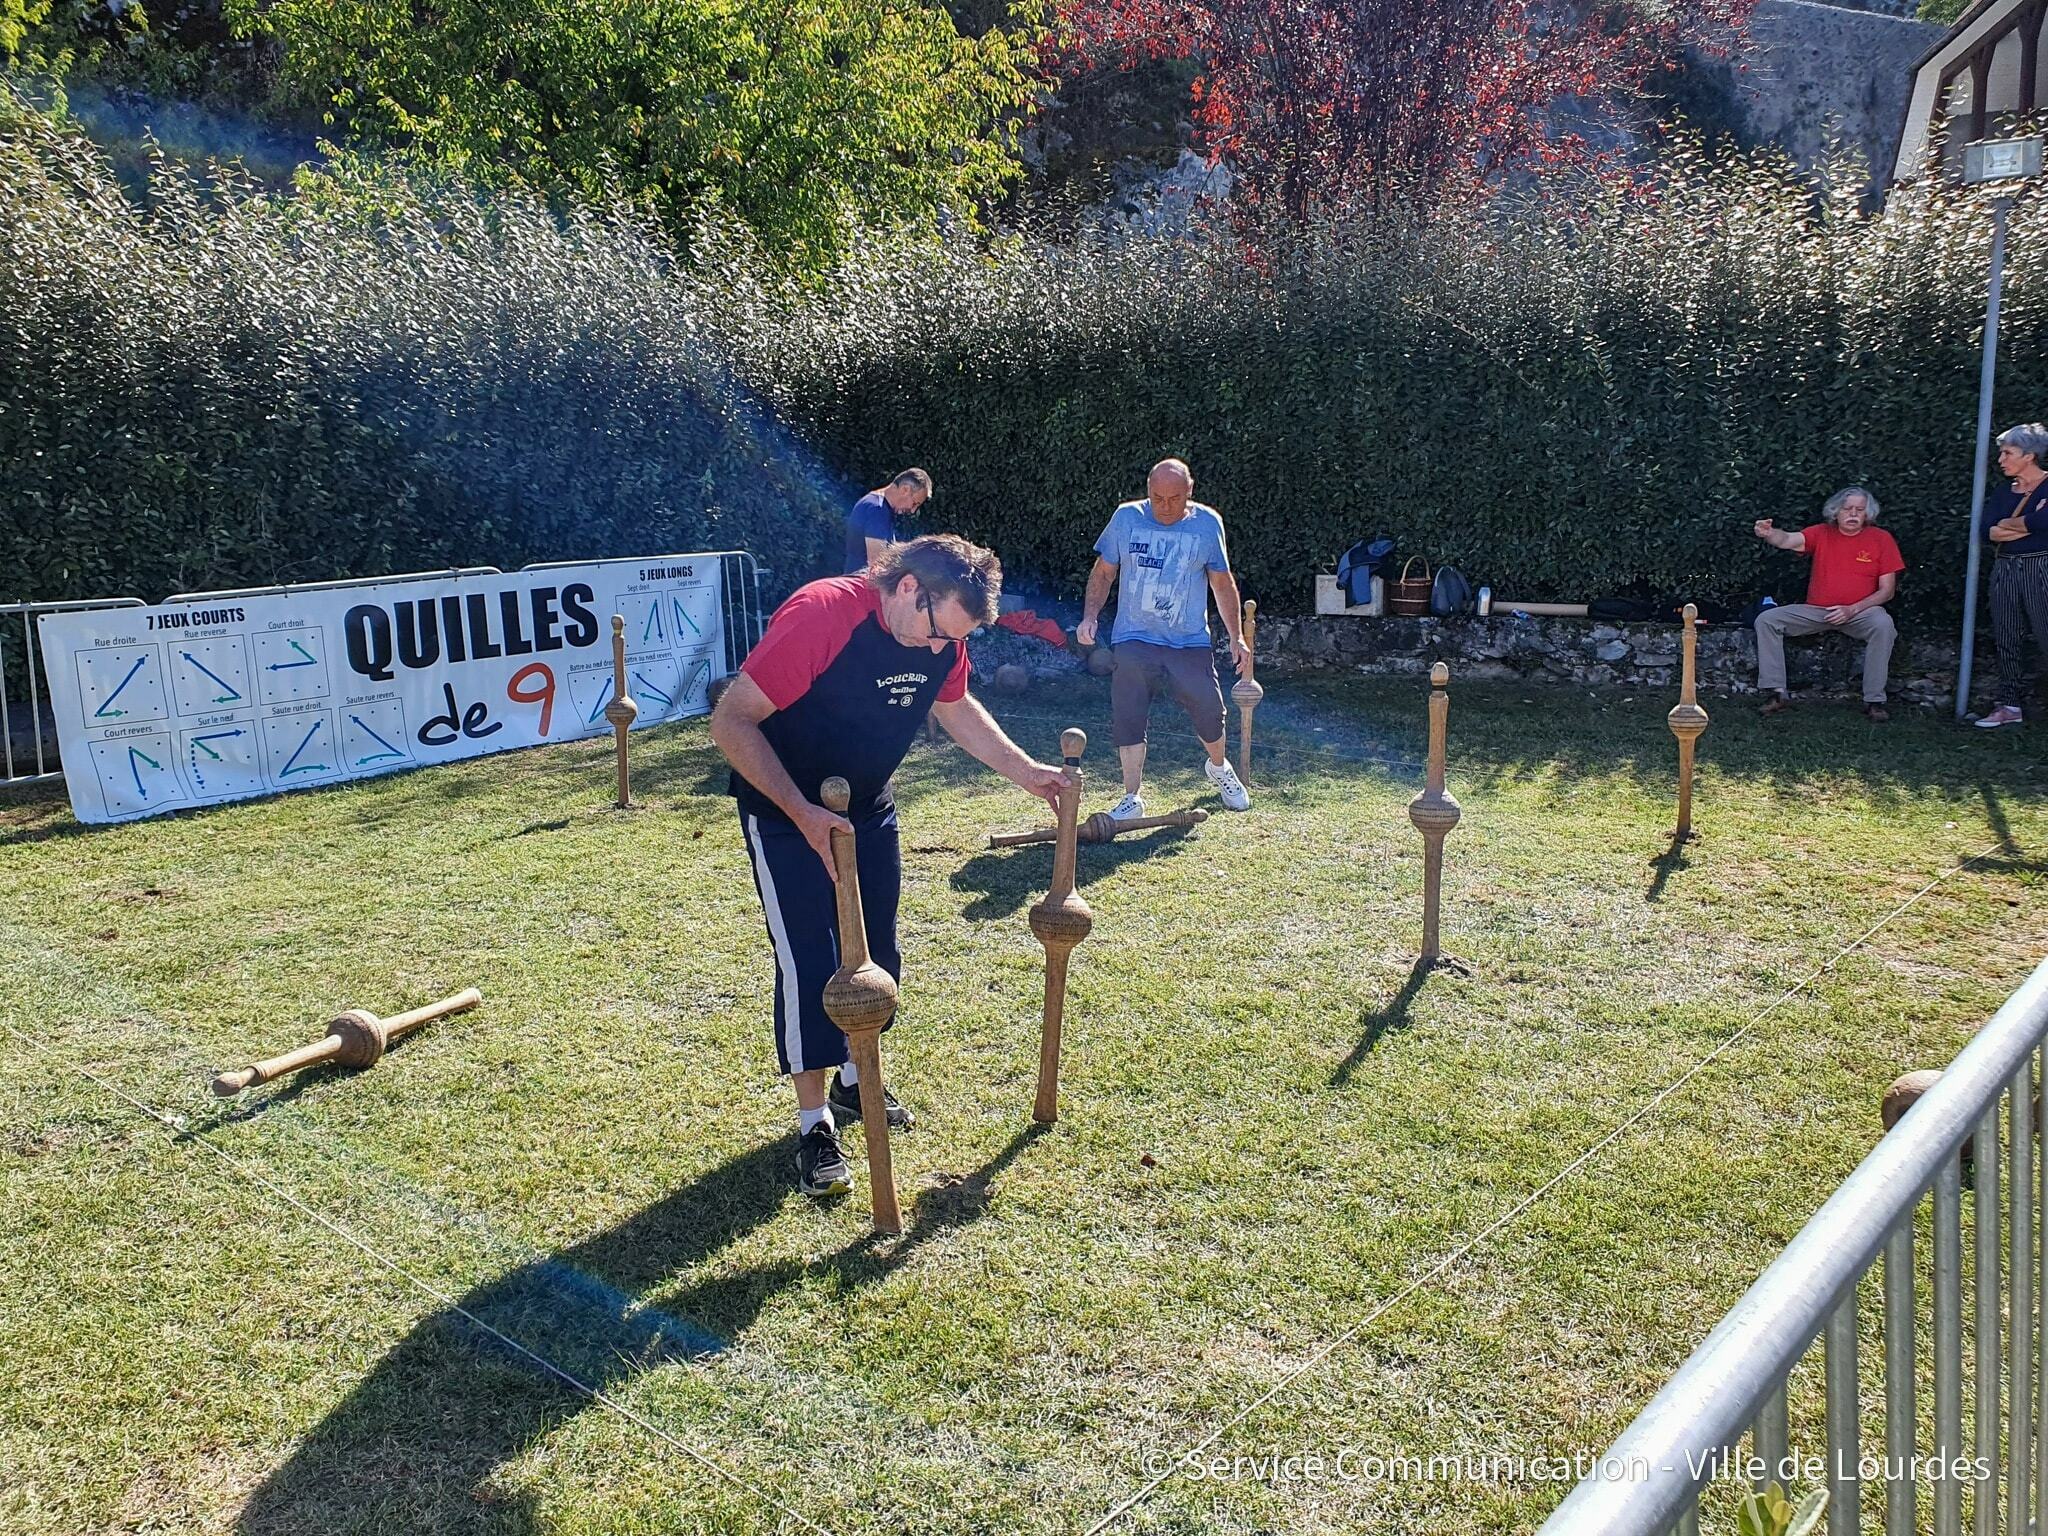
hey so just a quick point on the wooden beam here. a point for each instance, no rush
(1980, 83)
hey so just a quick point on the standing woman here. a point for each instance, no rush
(2016, 524)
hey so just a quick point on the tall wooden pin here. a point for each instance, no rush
(622, 711)
(357, 1038)
(1245, 693)
(1434, 812)
(860, 998)
(1686, 720)
(1060, 922)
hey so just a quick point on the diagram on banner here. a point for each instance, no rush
(657, 685)
(592, 690)
(300, 749)
(137, 774)
(291, 666)
(649, 624)
(221, 760)
(374, 736)
(121, 685)
(209, 674)
(696, 692)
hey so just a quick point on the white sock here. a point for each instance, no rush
(849, 1074)
(808, 1120)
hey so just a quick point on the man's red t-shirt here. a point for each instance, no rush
(1846, 566)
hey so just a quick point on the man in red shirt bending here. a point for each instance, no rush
(1856, 569)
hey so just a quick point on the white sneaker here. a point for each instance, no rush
(1229, 786)
(2005, 714)
(1130, 808)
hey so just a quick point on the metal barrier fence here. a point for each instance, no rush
(1650, 1480)
(40, 741)
(27, 735)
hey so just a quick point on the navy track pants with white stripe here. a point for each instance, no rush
(798, 900)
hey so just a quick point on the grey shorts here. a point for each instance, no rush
(1142, 669)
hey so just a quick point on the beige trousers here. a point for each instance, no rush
(1873, 626)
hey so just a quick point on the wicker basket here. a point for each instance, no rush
(1408, 596)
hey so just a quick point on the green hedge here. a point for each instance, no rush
(1563, 404)
(209, 387)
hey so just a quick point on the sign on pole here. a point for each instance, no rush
(221, 699)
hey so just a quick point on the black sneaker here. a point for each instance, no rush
(845, 1102)
(820, 1169)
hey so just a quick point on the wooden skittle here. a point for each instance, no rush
(622, 711)
(1059, 922)
(1245, 693)
(357, 1038)
(1099, 828)
(1434, 812)
(1687, 720)
(860, 998)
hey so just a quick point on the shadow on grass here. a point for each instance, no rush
(1667, 864)
(1379, 1024)
(1006, 880)
(418, 1443)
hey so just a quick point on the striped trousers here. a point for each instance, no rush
(2019, 606)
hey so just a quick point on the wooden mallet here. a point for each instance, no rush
(1245, 693)
(1434, 812)
(1686, 720)
(622, 711)
(1059, 922)
(860, 998)
(357, 1038)
(1099, 828)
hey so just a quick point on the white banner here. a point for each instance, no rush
(197, 703)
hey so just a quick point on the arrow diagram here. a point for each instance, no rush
(684, 614)
(289, 769)
(104, 712)
(375, 757)
(702, 668)
(286, 666)
(134, 753)
(220, 682)
(199, 745)
(653, 625)
(647, 687)
(603, 699)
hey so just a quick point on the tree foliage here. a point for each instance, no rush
(1595, 398)
(216, 387)
(797, 116)
(1322, 108)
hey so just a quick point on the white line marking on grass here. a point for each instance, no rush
(1445, 1264)
(256, 1176)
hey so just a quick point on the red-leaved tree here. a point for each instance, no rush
(1328, 105)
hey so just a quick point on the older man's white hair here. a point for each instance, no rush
(1832, 507)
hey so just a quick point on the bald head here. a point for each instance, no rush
(1168, 488)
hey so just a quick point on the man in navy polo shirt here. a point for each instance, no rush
(840, 684)
(871, 525)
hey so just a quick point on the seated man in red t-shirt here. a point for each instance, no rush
(1856, 569)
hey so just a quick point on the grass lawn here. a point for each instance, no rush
(1270, 1127)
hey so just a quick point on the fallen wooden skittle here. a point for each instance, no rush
(860, 998)
(622, 711)
(357, 1038)
(1245, 693)
(1059, 922)
(1099, 828)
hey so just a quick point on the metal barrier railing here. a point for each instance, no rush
(1650, 1480)
(228, 594)
(41, 733)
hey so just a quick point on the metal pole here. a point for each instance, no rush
(2000, 206)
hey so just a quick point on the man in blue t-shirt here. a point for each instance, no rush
(871, 525)
(1168, 552)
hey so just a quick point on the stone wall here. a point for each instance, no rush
(1583, 651)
